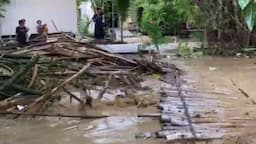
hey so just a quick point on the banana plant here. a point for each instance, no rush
(123, 6)
(249, 10)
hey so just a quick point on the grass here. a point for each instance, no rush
(169, 39)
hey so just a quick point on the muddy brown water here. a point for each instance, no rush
(112, 130)
(124, 125)
(120, 128)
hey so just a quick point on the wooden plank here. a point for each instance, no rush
(174, 120)
(182, 120)
(177, 109)
(195, 99)
(188, 136)
(184, 134)
(54, 115)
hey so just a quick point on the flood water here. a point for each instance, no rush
(112, 130)
(123, 128)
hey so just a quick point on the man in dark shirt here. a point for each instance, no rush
(99, 25)
(21, 33)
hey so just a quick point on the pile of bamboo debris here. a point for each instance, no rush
(187, 115)
(34, 75)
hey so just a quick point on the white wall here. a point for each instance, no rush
(87, 11)
(62, 12)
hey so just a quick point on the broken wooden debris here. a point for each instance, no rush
(19, 74)
(203, 110)
(150, 115)
(182, 110)
(54, 67)
(105, 87)
(172, 136)
(244, 93)
(39, 102)
(72, 96)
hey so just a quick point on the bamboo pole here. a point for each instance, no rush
(72, 115)
(54, 115)
(19, 74)
(38, 103)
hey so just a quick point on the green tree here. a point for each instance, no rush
(150, 24)
(225, 31)
(249, 10)
(2, 10)
(160, 16)
(2, 3)
(171, 13)
(123, 6)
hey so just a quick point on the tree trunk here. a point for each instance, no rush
(226, 33)
(93, 5)
(248, 39)
(219, 29)
(235, 4)
(205, 39)
(0, 31)
(122, 31)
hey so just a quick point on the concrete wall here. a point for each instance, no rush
(63, 12)
(87, 11)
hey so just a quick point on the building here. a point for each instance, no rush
(62, 12)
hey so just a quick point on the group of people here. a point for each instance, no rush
(42, 30)
(22, 32)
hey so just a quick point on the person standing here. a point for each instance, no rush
(45, 32)
(42, 31)
(22, 33)
(99, 26)
(39, 27)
